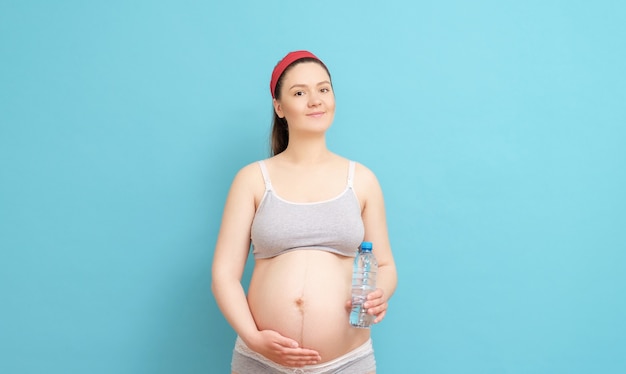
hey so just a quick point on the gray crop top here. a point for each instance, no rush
(333, 225)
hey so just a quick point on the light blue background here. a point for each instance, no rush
(497, 130)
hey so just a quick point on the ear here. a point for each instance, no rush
(278, 109)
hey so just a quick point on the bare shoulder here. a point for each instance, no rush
(248, 179)
(364, 178)
(249, 172)
(366, 186)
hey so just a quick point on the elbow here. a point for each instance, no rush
(391, 277)
(215, 283)
(220, 280)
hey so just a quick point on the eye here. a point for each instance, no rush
(298, 93)
(325, 90)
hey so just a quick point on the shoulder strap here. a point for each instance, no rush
(266, 176)
(351, 173)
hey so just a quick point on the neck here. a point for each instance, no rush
(306, 151)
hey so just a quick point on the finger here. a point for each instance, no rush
(302, 357)
(303, 353)
(376, 310)
(287, 343)
(374, 304)
(300, 363)
(377, 293)
(380, 317)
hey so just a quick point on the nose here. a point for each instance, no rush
(314, 99)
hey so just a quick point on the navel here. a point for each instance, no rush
(300, 304)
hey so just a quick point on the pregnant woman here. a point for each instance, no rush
(305, 210)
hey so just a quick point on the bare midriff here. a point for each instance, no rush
(302, 295)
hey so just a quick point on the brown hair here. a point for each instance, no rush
(280, 132)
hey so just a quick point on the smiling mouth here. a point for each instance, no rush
(316, 114)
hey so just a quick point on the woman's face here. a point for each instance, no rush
(307, 100)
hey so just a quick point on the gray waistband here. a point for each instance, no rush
(361, 351)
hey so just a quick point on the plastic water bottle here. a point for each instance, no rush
(363, 282)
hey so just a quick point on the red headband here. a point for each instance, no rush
(284, 64)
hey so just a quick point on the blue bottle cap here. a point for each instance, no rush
(366, 246)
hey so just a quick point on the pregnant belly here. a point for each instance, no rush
(302, 295)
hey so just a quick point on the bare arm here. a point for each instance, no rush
(231, 253)
(229, 259)
(375, 222)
